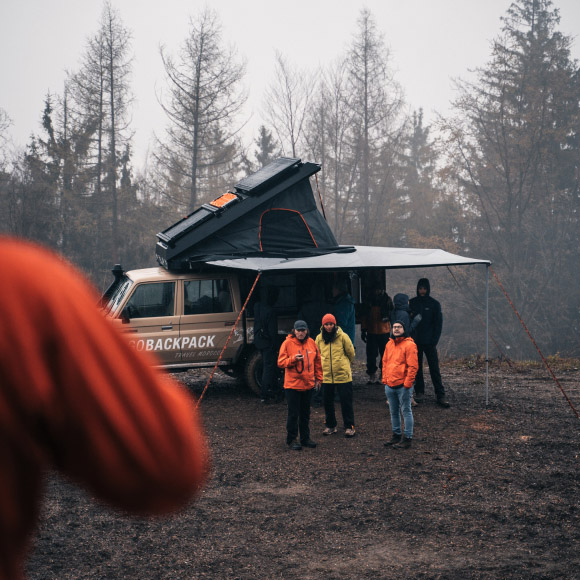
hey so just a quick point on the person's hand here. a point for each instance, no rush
(363, 335)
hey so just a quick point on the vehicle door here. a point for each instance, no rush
(152, 315)
(209, 313)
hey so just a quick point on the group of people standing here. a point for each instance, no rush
(319, 366)
(397, 331)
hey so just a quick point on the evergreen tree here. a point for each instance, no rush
(517, 157)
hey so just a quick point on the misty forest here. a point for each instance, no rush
(498, 178)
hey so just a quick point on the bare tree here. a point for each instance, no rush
(100, 99)
(5, 123)
(286, 104)
(376, 103)
(329, 139)
(205, 96)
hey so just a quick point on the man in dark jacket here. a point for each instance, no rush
(266, 340)
(426, 336)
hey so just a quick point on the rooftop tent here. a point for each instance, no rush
(269, 213)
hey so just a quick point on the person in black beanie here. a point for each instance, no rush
(426, 336)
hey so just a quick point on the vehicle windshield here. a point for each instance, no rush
(118, 294)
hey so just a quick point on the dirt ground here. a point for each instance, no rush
(485, 492)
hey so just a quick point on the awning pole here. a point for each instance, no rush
(486, 335)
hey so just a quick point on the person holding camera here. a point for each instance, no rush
(300, 359)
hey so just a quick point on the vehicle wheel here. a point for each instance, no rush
(253, 372)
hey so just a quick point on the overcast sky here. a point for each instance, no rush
(431, 42)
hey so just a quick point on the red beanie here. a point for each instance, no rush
(328, 318)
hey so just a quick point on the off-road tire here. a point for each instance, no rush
(253, 372)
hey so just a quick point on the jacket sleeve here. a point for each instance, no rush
(412, 361)
(348, 347)
(98, 409)
(285, 359)
(437, 324)
(318, 374)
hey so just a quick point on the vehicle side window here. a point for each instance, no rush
(207, 296)
(150, 300)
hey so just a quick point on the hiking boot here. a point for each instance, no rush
(372, 379)
(308, 443)
(330, 431)
(395, 439)
(443, 402)
(349, 432)
(404, 444)
(418, 398)
(294, 445)
(413, 402)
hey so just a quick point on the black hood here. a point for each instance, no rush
(401, 302)
(424, 283)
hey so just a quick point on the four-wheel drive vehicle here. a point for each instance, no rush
(185, 318)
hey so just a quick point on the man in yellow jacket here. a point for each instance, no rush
(337, 352)
(400, 365)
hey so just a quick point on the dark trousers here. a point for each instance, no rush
(298, 414)
(345, 396)
(269, 372)
(376, 344)
(430, 351)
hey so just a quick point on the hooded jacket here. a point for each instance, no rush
(400, 362)
(300, 374)
(336, 357)
(402, 312)
(428, 331)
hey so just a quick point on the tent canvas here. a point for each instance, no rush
(272, 212)
(353, 258)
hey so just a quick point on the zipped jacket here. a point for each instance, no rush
(377, 314)
(336, 357)
(300, 374)
(400, 362)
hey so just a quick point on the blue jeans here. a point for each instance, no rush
(400, 402)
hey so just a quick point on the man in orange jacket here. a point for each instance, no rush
(74, 396)
(300, 358)
(400, 365)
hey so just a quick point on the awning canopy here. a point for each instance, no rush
(361, 257)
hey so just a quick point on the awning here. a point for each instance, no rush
(361, 257)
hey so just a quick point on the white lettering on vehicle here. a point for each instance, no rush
(177, 343)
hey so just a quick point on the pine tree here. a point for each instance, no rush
(517, 161)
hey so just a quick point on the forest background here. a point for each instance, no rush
(496, 178)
